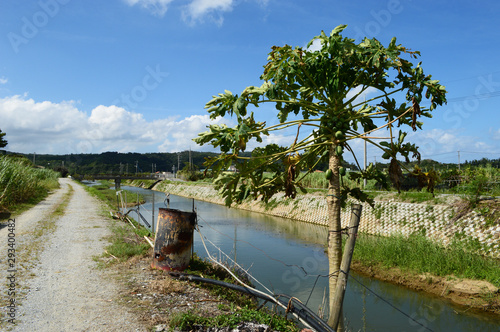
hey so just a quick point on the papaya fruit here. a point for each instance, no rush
(339, 150)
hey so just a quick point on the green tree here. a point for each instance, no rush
(3, 141)
(317, 91)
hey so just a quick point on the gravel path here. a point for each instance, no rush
(67, 292)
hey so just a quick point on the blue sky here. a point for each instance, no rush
(134, 75)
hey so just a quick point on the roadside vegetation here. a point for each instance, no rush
(127, 241)
(22, 185)
(242, 308)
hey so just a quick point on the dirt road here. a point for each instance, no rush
(62, 290)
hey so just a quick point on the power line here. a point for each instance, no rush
(476, 96)
(470, 77)
(267, 255)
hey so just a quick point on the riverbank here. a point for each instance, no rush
(470, 294)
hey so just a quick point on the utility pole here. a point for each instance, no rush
(34, 158)
(364, 166)
(365, 158)
(136, 166)
(190, 168)
(458, 161)
(178, 161)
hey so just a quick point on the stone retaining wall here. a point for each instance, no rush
(386, 218)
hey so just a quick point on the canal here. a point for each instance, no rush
(288, 257)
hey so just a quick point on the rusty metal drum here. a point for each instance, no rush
(174, 239)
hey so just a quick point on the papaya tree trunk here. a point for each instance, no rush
(334, 227)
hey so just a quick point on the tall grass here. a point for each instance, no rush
(21, 183)
(417, 253)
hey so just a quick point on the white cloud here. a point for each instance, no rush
(443, 143)
(179, 134)
(363, 96)
(60, 128)
(315, 46)
(195, 11)
(156, 7)
(199, 10)
(3, 80)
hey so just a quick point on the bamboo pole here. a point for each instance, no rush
(338, 296)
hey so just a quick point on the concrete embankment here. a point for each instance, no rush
(436, 221)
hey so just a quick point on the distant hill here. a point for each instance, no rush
(120, 163)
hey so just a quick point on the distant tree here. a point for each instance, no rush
(319, 90)
(3, 142)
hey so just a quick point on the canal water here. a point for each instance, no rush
(288, 257)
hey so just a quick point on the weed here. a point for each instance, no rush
(419, 254)
(210, 270)
(190, 320)
(377, 211)
(273, 203)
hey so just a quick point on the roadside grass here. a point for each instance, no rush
(106, 194)
(417, 254)
(22, 186)
(126, 241)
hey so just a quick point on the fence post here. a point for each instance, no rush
(338, 296)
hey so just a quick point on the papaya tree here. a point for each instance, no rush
(317, 94)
